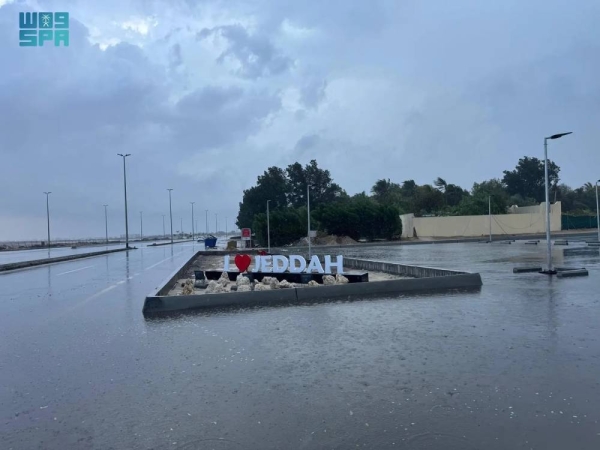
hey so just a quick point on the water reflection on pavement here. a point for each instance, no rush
(515, 365)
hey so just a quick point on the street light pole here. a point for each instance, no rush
(48, 215)
(181, 226)
(192, 220)
(125, 189)
(206, 221)
(216, 224)
(597, 211)
(308, 207)
(171, 215)
(550, 270)
(164, 233)
(106, 223)
(490, 215)
(268, 229)
(141, 227)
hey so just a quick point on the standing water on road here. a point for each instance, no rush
(515, 365)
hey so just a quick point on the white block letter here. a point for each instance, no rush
(267, 262)
(256, 267)
(280, 263)
(339, 264)
(226, 264)
(293, 267)
(315, 264)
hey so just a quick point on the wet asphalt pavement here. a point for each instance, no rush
(514, 366)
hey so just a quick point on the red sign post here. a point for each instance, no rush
(246, 234)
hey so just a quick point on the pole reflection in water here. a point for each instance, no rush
(49, 281)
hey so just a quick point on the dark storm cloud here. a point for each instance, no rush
(256, 54)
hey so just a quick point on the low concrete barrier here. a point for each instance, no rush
(187, 302)
(572, 273)
(40, 262)
(398, 269)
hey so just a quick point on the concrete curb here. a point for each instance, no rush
(156, 304)
(432, 280)
(41, 262)
(168, 243)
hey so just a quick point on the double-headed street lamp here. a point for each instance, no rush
(48, 215)
(125, 189)
(550, 270)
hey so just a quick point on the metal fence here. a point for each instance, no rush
(578, 222)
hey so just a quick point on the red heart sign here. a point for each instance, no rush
(242, 262)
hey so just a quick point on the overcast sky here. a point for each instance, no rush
(206, 95)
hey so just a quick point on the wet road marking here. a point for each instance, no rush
(107, 289)
(76, 270)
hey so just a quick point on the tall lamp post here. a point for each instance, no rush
(216, 224)
(164, 233)
(206, 221)
(141, 227)
(48, 214)
(192, 220)
(106, 223)
(181, 226)
(268, 229)
(171, 215)
(597, 211)
(490, 215)
(308, 213)
(125, 189)
(550, 270)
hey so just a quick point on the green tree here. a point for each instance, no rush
(428, 200)
(287, 226)
(360, 217)
(454, 194)
(528, 178)
(386, 192)
(322, 187)
(478, 202)
(271, 185)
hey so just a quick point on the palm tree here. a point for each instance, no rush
(441, 184)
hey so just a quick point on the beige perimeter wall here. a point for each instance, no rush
(465, 226)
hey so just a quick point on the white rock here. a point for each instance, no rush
(262, 287)
(242, 280)
(266, 280)
(285, 284)
(328, 279)
(313, 283)
(188, 287)
(212, 285)
(340, 279)
(244, 287)
(224, 279)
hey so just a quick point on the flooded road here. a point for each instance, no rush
(516, 365)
